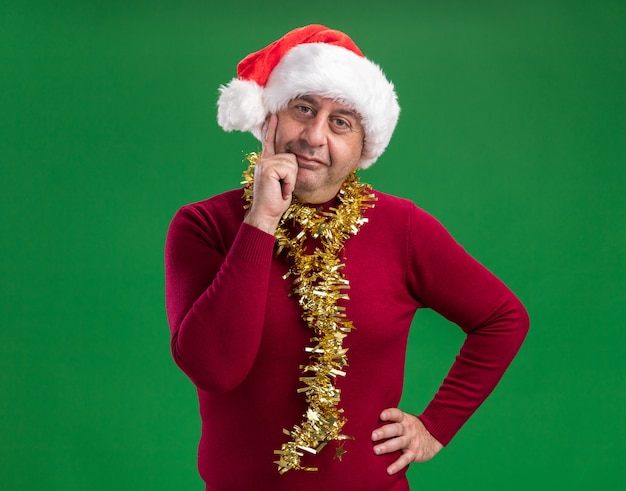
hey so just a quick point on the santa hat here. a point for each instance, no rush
(311, 60)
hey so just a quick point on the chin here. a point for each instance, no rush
(306, 184)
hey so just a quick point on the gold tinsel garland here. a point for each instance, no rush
(319, 284)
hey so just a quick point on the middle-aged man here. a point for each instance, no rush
(290, 301)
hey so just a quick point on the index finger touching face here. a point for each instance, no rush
(270, 136)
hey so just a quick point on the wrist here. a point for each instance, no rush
(266, 224)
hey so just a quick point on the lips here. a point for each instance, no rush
(304, 161)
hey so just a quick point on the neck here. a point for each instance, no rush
(315, 197)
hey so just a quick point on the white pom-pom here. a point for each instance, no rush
(240, 106)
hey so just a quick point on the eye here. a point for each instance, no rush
(341, 124)
(304, 109)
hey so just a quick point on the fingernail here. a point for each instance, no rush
(374, 436)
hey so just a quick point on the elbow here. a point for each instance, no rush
(209, 372)
(506, 327)
(221, 384)
(208, 383)
(523, 320)
(512, 324)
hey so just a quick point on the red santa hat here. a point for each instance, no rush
(311, 60)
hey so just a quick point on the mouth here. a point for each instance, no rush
(308, 162)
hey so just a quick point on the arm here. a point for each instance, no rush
(448, 280)
(215, 302)
(216, 292)
(459, 288)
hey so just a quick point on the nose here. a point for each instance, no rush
(315, 131)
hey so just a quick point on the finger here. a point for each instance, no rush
(288, 182)
(392, 414)
(388, 431)
(270, 137)
(394, 445)
(404, 460)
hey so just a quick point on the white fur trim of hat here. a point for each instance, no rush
(311, 68)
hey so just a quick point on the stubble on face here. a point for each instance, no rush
(325, 163)
(301, 147)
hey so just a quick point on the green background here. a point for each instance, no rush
(512, 133)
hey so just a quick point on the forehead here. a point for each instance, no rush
(333, 105)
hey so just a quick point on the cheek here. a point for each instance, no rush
(346, 152)
(286, 131)
(354, 148)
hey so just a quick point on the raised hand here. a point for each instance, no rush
(274, 182)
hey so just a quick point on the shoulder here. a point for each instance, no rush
(400, 211)
(220, 215)
(401, 220)
(391, 202)
(222, 207)
(227, 202)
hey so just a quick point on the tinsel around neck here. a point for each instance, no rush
(318, 284)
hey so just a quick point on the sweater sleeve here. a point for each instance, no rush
(215, 297)
(448, 280)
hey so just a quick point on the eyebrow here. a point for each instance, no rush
(345, 112)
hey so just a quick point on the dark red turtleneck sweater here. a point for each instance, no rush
(239, 337)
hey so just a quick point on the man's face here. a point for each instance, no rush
(327, 139)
